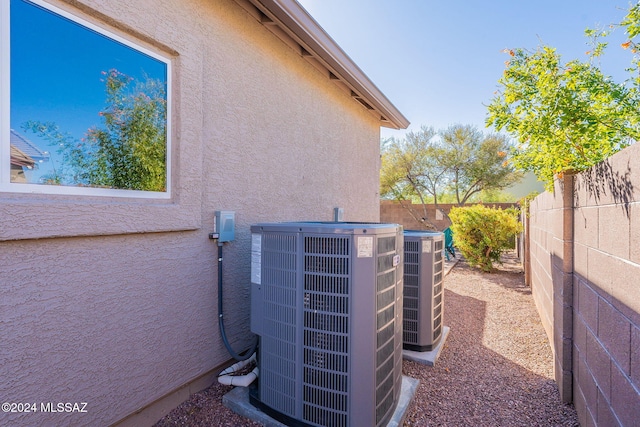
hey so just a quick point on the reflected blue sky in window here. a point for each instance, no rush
(56, 72)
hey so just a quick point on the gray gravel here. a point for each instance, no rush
(496, 367)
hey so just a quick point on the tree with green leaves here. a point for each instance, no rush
(458, 162)
(475, 162)
(566, 116)
(128, 152)
(411, 170)
(631, 24)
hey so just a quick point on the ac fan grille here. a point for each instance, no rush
(411, 291)
(278, 352)
(326, 324)
(386, 344)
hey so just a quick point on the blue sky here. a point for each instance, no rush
(439, 61)
(56, 72)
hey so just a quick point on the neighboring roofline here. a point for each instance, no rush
(27, 147)
(18, 157)
(293, 24)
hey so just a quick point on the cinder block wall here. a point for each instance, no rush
(551, 257)
(397, 213)
(593, 319)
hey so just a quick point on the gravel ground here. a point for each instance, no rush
(496, 367)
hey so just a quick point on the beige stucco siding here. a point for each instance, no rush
(104, 320)
(296, 140)
(113, 301)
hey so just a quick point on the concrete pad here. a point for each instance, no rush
(408, 391)
(238, 401)
(427, 357)
(448, 265)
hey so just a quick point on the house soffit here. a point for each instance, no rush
(294, 26)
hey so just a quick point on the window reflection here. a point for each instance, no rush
(86, 109)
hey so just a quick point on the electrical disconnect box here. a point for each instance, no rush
(224, 225)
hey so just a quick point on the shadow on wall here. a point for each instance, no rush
(602, 178)
(606, 359)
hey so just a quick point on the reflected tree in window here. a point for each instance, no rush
(95, 104)
(128, 151)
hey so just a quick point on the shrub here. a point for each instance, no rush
(482, 234)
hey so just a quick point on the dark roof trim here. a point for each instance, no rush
(291, 22)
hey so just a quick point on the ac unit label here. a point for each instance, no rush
(256, 258)
(365, 246)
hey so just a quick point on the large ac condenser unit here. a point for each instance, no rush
(423, 290)
(326, 303)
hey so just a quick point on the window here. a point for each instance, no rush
(83, 111)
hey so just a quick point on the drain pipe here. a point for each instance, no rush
(226, 377)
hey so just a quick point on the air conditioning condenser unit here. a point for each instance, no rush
(423, 290)
(326, 303)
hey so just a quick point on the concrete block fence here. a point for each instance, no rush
(410, 214)
(582, 243)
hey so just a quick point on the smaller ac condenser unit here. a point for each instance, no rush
(326, 303)
(423, 290)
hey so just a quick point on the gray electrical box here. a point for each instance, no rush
(225, 224)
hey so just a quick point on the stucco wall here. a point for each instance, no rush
(113, 302)
(602, 329)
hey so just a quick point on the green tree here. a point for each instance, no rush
(475, 162)
(450, 165)
(631, 24)
(410, 171)
(565, 116)
(129, 151)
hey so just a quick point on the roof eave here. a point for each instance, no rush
(291, 22)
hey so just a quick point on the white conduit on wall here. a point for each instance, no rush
(226, 377)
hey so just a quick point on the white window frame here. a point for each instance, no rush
(6, 186)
